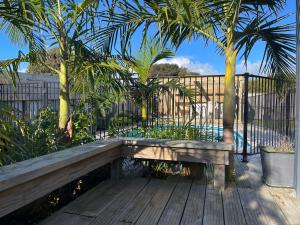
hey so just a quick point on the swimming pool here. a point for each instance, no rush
(203, 133)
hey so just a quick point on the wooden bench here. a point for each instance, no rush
(23, 182)
(182, 151)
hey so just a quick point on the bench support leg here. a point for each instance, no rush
(219, 176)
(116, 168)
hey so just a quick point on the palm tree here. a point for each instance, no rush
(141, 64)
(67, 26)
(144, 86)
(64, 25)
(235, 26)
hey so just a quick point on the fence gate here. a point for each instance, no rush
(269, 112)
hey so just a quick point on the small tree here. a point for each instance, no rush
(141, 64)
(65, 25)
(146, 86)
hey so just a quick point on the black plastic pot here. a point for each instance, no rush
(277, 167)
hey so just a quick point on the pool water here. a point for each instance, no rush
(208, 133)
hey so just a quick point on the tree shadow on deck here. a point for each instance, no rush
(258, 204)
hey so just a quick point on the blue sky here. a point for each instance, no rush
(193, 55)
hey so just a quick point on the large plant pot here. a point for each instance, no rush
(277, 167)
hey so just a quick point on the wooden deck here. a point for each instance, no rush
(179, 200)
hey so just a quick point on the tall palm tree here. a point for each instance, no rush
(64, 25)
(235, 26)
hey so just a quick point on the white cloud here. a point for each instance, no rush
(252, 67)
(183, 61)
(22, 70)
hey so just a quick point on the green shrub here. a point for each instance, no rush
(118, 123)
(45, 132)
(82, 128)
(22, 139)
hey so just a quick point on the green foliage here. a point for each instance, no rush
(16, 22)
(158, 168)
(146, 57)
(28, 139)
(52, 59)
(174, 133)
(82, 125)
(171, 132)
(166, 70)
(22, 139)
(119, 122)
(231, 25)
(44, 131)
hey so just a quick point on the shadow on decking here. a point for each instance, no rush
(175, 200)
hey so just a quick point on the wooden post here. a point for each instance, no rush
(116, 168)
(297, 138)
(45, 94)
(219, 176)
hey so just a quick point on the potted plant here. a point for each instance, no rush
(278, 164)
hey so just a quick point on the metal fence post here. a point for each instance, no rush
(246, 106)
(45, 94)
(297, 149)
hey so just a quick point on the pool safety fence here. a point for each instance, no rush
(189, 107)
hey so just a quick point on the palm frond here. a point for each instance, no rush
(146, 57)
(280, 44)
(18, 22)
(273, 5)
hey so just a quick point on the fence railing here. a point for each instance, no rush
(265, 110)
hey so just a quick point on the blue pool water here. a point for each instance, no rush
(213, 133)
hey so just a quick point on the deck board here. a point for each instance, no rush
(174, 209)
(177, 200)
(254, 213)
(193, 213)
(116, 207)
(134, 208)
(154, 209)
(213, 210)
(232, 203)
(61, 218)
(270, 208)
(95, 200)
(289, 205)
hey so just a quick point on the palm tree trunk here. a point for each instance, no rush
(229, 103)
(63, 96)
(144, 109)
(229, 98)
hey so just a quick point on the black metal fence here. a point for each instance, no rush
(265, 110)
(29, 97)
(271, 112)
